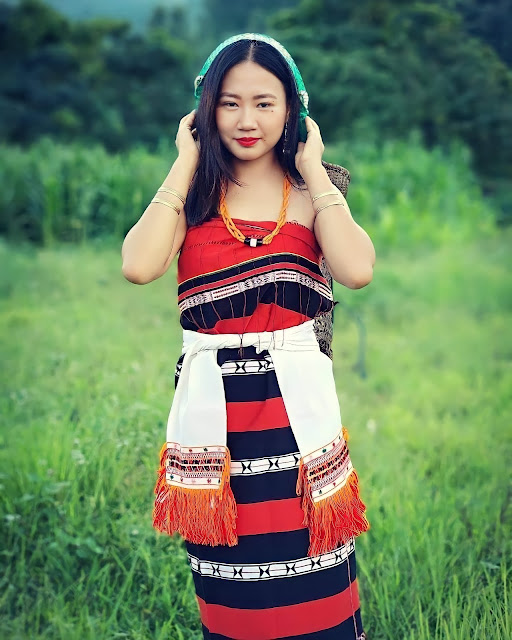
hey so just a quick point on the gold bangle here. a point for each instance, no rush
(327, 193)
(169, 204)
(331, 204)
(174, 193)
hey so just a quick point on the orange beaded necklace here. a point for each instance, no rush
(251, 240)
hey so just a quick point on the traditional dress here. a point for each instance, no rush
(265, 586)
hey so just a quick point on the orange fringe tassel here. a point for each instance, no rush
(201, 516)
(335, 519)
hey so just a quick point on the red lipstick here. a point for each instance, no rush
(247, 142)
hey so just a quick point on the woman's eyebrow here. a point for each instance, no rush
(226, 94)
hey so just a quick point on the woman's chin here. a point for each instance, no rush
(250, 153)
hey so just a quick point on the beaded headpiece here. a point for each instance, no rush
(301, 89)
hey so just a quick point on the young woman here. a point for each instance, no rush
(255, 472)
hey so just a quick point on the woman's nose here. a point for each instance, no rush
(247, 119)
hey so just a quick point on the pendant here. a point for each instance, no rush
(253, 242)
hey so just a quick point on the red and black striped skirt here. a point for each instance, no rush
(267, 587)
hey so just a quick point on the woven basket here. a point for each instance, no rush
(339, 176)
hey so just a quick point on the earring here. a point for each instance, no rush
(285, 140)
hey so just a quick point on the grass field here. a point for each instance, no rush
(87, 383)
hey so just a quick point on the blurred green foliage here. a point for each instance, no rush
(381, 68)
(92, 80)
(400, 192)
(393, 65)
(490, 20)
(375, 70)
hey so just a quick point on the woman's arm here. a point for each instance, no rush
(151, 244)
(151, 241)
(347, 248)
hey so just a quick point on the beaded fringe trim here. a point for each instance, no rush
(334, 520)
(208, 516)
(201, 516)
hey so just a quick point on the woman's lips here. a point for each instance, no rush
(247, 142)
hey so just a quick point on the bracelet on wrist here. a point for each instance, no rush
(168, 204)
(326, 193)
(331, 204)
(173, 192)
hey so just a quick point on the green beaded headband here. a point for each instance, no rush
(303, 94)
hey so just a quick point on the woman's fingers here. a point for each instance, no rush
(187, 123)
(311, 125)
(189, 115)
(186, 130)
(188, 119)
(313, 128)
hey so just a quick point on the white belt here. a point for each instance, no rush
(304, 374)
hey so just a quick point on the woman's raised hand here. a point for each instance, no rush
(187, 142)
(309, 153)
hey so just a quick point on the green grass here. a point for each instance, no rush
(87, 383)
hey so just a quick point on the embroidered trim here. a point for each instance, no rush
(200, 467)
(268, 571)
(247, 367)
(246, 267)
(204, 513)
(333, 514)
(251, 367)
(255, 466)
(328, 468)
(252, 283)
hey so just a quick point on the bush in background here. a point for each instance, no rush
(400, 192)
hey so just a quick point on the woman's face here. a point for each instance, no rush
(251, 106)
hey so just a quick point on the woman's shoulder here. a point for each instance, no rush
(300, 207)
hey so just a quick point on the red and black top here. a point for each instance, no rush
(225, 286)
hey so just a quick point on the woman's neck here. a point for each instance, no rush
(254, 172)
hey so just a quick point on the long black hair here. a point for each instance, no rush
(214, 159)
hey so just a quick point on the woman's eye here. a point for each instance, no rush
(265, 104)
(228, 104)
